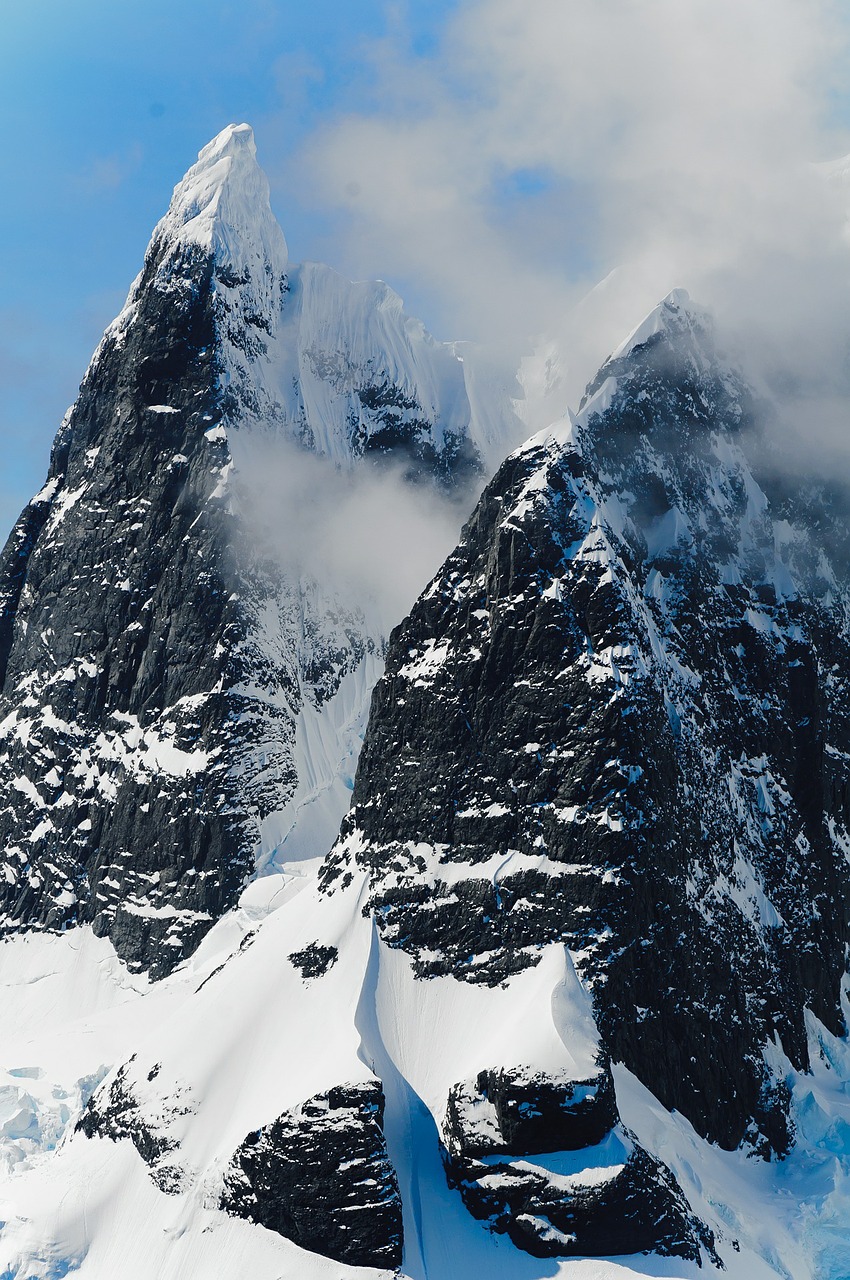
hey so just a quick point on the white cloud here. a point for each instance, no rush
(369, 537)
(549, 143)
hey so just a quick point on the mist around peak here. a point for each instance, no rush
(543, 178)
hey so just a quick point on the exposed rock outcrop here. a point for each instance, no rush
(320, 1175)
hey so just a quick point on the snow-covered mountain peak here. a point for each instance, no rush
(228, 375)
(675, 314)
(233, 139)
(222, 206)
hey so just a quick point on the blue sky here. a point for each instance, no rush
(104, 106)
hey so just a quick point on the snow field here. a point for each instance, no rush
(238, 1036)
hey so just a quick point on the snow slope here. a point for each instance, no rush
(238, 1035)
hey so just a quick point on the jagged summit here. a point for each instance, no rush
(335, 366)
(681, 331)
(222, 204)
(625, 662)
(139, 564)
(676, 314)
(220, 218)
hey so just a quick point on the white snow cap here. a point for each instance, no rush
(222, 204)
(672, 312)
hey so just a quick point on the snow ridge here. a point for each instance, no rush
(674, 316)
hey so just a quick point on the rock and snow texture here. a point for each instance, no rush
(247, 1092)
(180, 703)
(618, 719)
(239, 1046)
(320, 1175)
(578, 953)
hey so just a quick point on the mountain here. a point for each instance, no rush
(564, 994)
(617, 719)
(182, 697)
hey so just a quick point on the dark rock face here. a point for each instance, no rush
(546, 1161)
(399, 430)
(514, 1111)
(116, 1112)
(153, 664)
(632, 1205)
(321, 1176)
(618, 717)
(315, 960)
(118, 624)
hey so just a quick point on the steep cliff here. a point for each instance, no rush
(181, 697)
(617, 718)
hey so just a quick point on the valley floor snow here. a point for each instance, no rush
(241, 1036)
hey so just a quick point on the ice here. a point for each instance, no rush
(248, 1038)
(328, 739)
